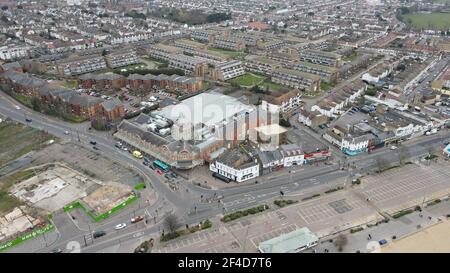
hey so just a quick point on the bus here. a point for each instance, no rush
(160, 165)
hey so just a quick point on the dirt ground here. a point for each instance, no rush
(54, 188)
(107, 197)
(87, 162)
(434, 239)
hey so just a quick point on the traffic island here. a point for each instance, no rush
(178, 233)
(242, 213)
(283, 203)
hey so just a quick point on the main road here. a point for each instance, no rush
(191, 207)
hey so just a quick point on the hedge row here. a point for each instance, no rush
(241, 213)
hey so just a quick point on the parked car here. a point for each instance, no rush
(95, 148)
(99, 234)
(66, 132)
(151, 166)
(137, 219)
(121, 226)
(93, 142)
(57, 250)
(159, 171)
(145, 163)
(382, 242)
(28, 120)
(393, 147)
(17, 107)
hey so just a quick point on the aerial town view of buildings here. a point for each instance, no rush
(218, 126)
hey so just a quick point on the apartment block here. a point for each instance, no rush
(149, 82)
(189, 45)
(13, 51)
(296, 79)
(228, 70)
(203, 36)
(326, 73)
(121, 58)
(229, 43)
(190, 65)
(320, 57)
(270, 45)
(81, 65)
(259, 64)
(163, 52)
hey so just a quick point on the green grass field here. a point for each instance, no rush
(326, 86)
(273, 86)
(130, 68)
(248, 80)
(350, 57)
(233, 54)
(70, 84)
(439, 21)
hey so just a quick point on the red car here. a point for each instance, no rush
(159, 171)
(136, 219)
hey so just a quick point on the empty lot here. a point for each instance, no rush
(17, 139)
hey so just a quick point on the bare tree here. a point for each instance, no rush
(340, 242)
(403, 154)
(171, 222)
(381, 164)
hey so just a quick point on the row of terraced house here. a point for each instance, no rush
(137, 81)
(60, 98)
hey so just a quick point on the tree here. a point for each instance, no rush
(380, 163)
(361, 101)
(403, 154)
(171, 222)
(99, 124)
(340, 242)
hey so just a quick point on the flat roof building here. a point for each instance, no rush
(292, 242)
